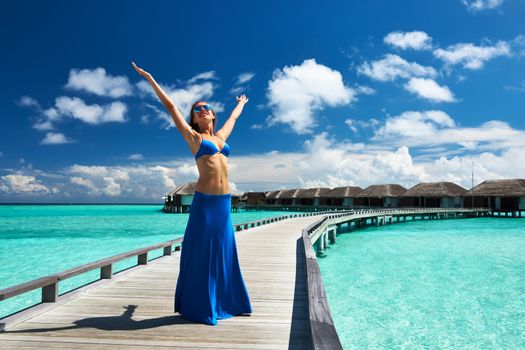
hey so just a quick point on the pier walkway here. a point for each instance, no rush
(135, 311)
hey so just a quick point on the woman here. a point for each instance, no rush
(210, 286)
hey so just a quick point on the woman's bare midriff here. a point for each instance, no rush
(213, 174)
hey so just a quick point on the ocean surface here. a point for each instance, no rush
(39, 240)
(444, 284)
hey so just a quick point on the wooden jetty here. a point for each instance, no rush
(134, 309)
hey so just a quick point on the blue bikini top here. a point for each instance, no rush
(209, 148)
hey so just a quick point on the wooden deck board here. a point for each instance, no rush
(97, 320)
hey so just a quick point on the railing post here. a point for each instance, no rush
(167, 250)
(106, 272)
(50, 293)
(142, 259)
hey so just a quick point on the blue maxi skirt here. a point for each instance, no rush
(210, 286)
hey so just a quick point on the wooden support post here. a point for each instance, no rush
(106, 272)
(142, 259)
(50, 293)
(167, 250)
(331, 236)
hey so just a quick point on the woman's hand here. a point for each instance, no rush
(141, 71)
(242, 99)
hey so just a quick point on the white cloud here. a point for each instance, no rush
(355, 124)
(296, 92)
(143, 181)
(136, 156)
(55, 138)
(28, 101)
(203, 76)
(92, 114)
(365, 90)
(43, 125)
(244, 78)
(429, 89)
(471, 56)
(392, 67)
(98, 82)
(22, 184)
(416, 40)
(436, 128)
(84, 182)
(479, 5)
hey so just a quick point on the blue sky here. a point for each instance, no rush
(341, 93)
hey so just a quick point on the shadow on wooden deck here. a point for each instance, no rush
(123, 322)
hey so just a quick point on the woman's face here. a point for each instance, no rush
(203, 113)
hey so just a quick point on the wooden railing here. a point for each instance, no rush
(49, 284)
(323, 334)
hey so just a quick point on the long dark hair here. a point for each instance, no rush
(195, 126)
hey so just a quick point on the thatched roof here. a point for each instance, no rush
(186, 189)
(312, 192)
(380, 191)
(290, 193)
(435, 189)
(500, 188)
(342, 192)
(274, 194)
(254, 194)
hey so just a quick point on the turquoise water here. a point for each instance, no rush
(447, 284)
(39, 240)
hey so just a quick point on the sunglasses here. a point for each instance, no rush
(197, 109)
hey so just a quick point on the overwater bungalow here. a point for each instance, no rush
(433, 195)
(312, 196)
(179, 200)
(500, 195)
(274, 197)
(254, 198)
(288, 197)
(384, 196)
(341, 196)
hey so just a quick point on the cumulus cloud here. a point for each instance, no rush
(149, 182)
(416, 40)
(430, 90)
(55, 138)
(392, 67)
(98, 82)
(436, 128)
(22, 184)
(28, 101)
(295, 93)
(94, 114)
(480, 5)
(471, 56)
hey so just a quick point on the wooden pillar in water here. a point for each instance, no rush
(332, 236)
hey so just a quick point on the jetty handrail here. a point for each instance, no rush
(323, 335)
(250, 224)
(49, 284)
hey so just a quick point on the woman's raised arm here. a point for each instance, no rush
(185, 129)
(227, 128)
